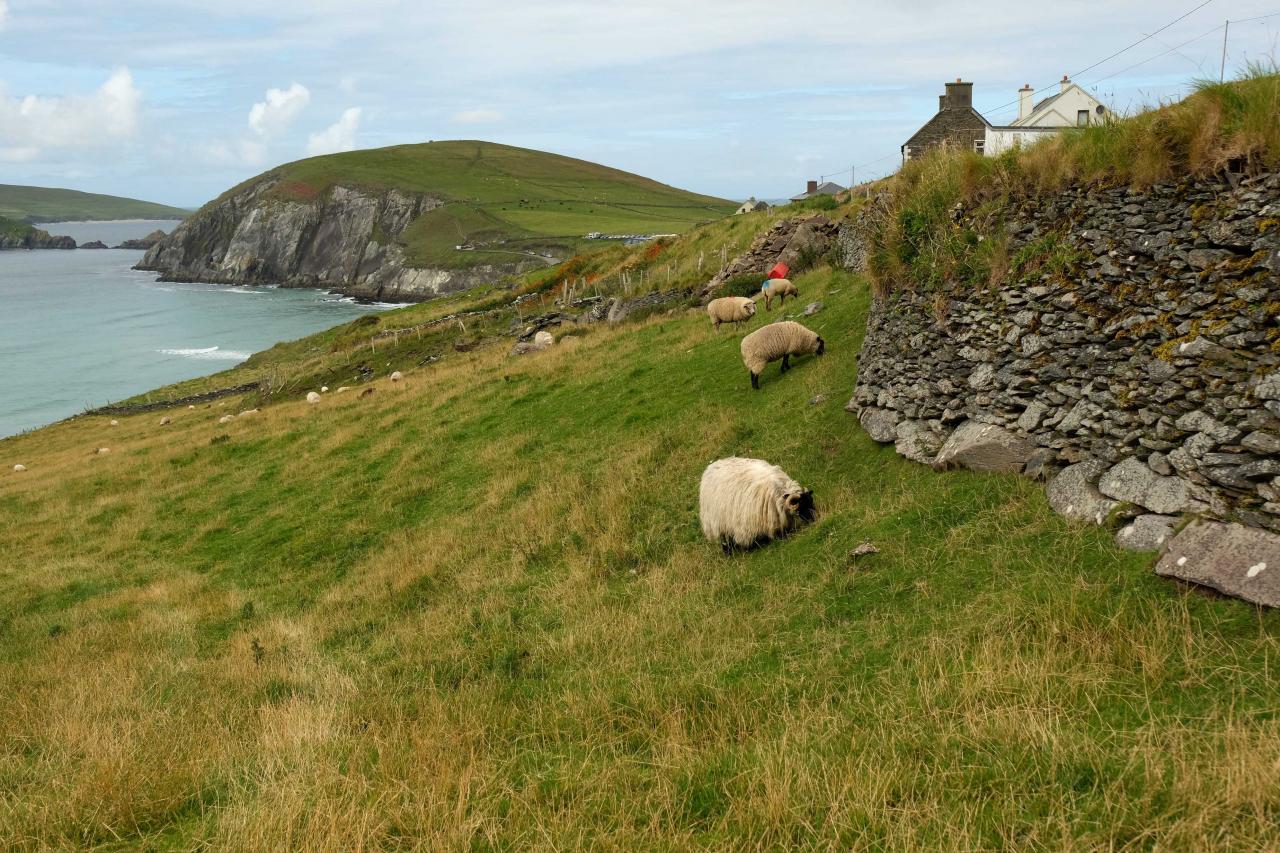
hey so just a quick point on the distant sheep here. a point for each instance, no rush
(368, 392)
(779, 287)
(165, 421)
(746, 502)
(19, 468)
(778, 341)
(396, 376)
(730, 309)
(313, 397)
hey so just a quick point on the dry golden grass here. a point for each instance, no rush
(474, 610)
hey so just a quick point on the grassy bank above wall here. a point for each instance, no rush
(919, 242)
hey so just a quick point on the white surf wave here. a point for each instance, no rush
(207, 353)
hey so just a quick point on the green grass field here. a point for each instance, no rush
(47, 204)
(500, 198)
(474, 610)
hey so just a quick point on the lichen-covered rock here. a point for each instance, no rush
(1240, 561)
(917, 442)
(1072, 493)
(1133, 481)
(880, 424)
(984, 447)
(1147, 532)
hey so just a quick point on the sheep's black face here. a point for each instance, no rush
(801, 505)
(822, 346)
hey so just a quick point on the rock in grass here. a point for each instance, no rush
(880, 424)
(1146, 532)
(226, 419)
(1240, 561)
(1072, 493)
(864, 550)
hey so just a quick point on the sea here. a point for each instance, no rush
(80, 329)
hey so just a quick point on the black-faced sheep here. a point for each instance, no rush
(778, 341)
(730, 309)
(746, 502)
(779, 287)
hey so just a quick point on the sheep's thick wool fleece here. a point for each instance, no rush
(772, 342)
(741, 500)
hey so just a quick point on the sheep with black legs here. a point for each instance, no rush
(779, 287)
(746, 502)
(778, 341)
(730, 309)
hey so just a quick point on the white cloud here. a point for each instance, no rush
(4, 13)
(274, 115)
(339, 136)
(477, 117)
(24, 154)
(242, 152)
(72, 121)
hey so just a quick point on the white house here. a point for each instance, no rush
(1072, 106)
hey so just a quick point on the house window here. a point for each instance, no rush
(979, 145)
(1082, 118)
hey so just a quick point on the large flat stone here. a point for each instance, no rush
(1146, 532)
(880, 424)
(985, 447)
(1133, 481)
(1240, 561)
(1072, 493)
(917, 442)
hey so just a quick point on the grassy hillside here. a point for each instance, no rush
(502, 199)
(47, 204)
(474, 610)
(14, 228)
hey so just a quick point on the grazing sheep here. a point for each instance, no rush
(747, 502)
(731, 309)
(778, 341)
(313, 397)
(115, 423)
(19, 468)
(396, 376)
(226, 419)
(342, 388)
(779, 287)
(165, 421)
(368, 392)
(324, 389)
(248, 412)
(101, 450)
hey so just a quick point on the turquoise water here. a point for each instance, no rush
(79, 329)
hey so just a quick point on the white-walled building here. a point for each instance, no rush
(1072, 106)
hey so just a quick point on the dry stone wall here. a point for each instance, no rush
(1144, 377)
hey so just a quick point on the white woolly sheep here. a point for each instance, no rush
(779, 287)
(396, 376)
(746, 502)
(730, 309)
(226, 419)
(778, 341)
(19, 468)
(165, 421)
(115, 423)
(313, 397)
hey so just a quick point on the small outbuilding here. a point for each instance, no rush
(752, 206)
(815, 189)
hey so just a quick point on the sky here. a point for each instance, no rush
(177, 100)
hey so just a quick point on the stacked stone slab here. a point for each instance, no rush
(1150, 371)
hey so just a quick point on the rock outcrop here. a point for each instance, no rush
(33, 238)
(791, 242)
(144, 243)
(93, 244)
(344, 239)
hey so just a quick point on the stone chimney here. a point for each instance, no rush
(959, 94)
(1026, 97)
(811, 187)
(1066, 82)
